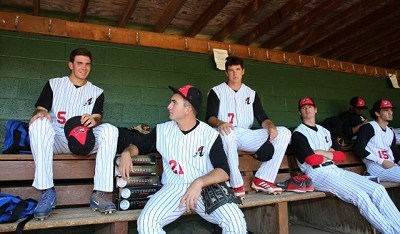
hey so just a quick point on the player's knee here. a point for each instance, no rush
(265, 152)
(146, 224)
(284, 133)
(236, 225)
(39, 126)
(108, 130)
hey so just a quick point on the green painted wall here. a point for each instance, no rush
(136, 79)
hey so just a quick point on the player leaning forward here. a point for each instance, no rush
(193, 158)
(62, 99)
(313, 149)
(231, 108)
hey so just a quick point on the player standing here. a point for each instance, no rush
(231, 108)
(193, 158)
(376, 144)
(61, 99)
(313, 149)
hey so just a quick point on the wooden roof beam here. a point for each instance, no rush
(337, 21)
(384, 27)
(378, 54)
(173, 7)
(130, 8)
(365, 21)
(381, 41)
(274, 19)
(301, 24)
(390, 59)
(239, 19)
(36, 7)
(82, 12)
(207, 15)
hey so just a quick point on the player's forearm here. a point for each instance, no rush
(215, 176)
(214, 121)
(267, 124)
(39, 109)
(131, 150)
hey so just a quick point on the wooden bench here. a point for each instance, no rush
(73, 177)
(340, 217)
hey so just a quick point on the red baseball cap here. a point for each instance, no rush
(359, 103)
(382, 104)
(80, 138)
(306, 101)
(191, 94)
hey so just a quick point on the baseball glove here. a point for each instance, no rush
(217, 195)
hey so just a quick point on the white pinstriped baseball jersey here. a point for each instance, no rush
(379, 144)
(236, 107)
(68, 101)
(185, 156)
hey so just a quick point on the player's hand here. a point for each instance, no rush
(388, 164)
(88, 120)
(125, 164)
(40, 114)
(191, 195)
(273, 133)
(225, 128)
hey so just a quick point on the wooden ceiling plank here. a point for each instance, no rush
(127, 13)
(380, 40)
(36, 7)
(207, 15)
(378, 54)
(302, 23)
(82, 13)
(248, 12)
(395, 64)
(383, 27)
(337, 21)
(271, 21)
(173, 7)
(369, 19)
(388, 60)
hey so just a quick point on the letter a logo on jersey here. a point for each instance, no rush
(88, 102)
(199, 152)
(248, 100)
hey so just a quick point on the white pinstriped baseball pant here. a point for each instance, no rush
(47, 140)
(251, 140)
(389, 175)
(371, 198)
(162, 209)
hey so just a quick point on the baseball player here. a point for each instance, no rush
(313, 149)
(193, 158)
(231, 108)
(376, 144)
(61, 99)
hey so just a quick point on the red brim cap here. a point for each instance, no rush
(306, 101)
(191, 94)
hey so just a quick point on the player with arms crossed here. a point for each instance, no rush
(61, 99)
(376, 144)
(231, 108)
(193, 158)
(316, 158)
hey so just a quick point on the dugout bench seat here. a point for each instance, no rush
(73, 177)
